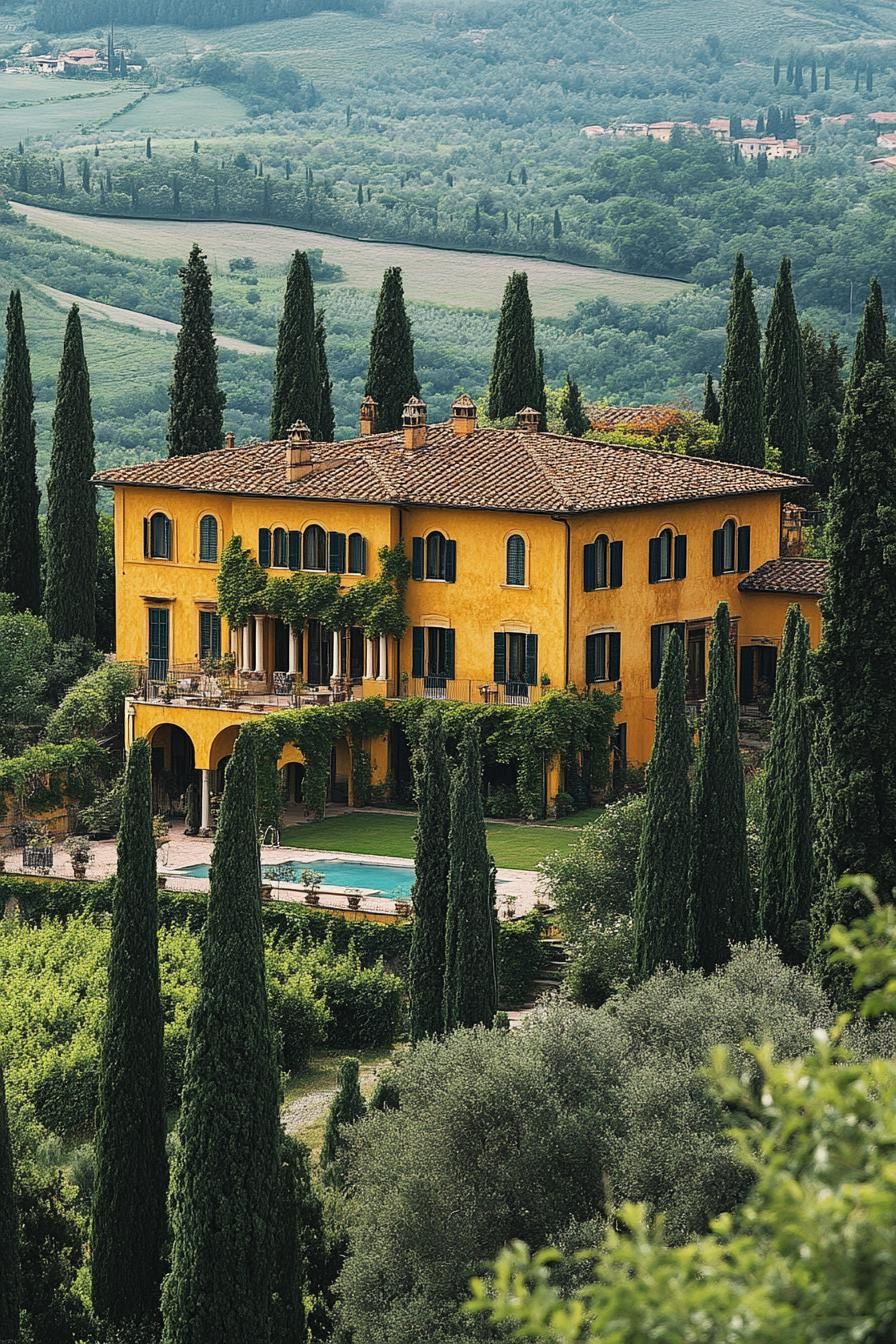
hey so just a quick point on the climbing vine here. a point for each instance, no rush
(241, 584)
(43, 775)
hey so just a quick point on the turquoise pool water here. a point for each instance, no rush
(387, 881)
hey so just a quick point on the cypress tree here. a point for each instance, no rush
(391, 379)
(10, 1278)
(661, 885)
(785, 885)
(541, 405)
(471, 965)
(327, 421)
(69, 605)
(196, 418)
(427, 962)
(741, 428)
(855, 787)
(19, 497)
(827, 78)
(297, 376)
(347, 1106)
(776, 71)
(572, 412)
(130, 1227)
(720, 901)
(288, 1321)
(711, 408)
(825, 391)
(871, 337)
(225, 1180)
(784, 376)
(514, 381)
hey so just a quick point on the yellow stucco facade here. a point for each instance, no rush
(494, 626)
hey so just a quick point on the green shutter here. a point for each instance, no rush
(656, 654)
(500, 663)
(146, 536)
(615, 564)
(531, 659)
(746, 676)
(653, 560)
(449, 654)
(718, 551)
(337, 553)
(208, 538)
(295, 550)
(614, 650)
(681, 557)
(589, 567)
(418, 637)
(417, 558)
(591, 659)
(450, 561)
(743, 549)
(264, 547)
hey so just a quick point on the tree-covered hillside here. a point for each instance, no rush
(60, 16)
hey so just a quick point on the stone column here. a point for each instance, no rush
(384, 671)
(293, 651)
(259, 643)
(206, 806)
(244, 661)
(337, 654)
(368, 659)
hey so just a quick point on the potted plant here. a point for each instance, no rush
(80, 851)
(354, 900)
(402, 908)
(311, 881)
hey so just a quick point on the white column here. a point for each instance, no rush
(337, 654)
(368, 659)
(259, 643)
(293, 651)
(383, 668)
(244, 661)
(206, 807)
(235, 642)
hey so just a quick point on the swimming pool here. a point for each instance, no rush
(383, 879)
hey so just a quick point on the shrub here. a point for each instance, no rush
(521, 955)
(366, 1004)
(93, 704)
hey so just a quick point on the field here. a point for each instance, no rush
(192, 111)
(456, 279)
(38, 107)
(381, 833)
(748, 27)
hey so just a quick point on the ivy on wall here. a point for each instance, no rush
(377, 605)
(43, 775)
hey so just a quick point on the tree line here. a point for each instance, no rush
(66, 16)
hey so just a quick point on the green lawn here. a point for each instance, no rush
(378, 833)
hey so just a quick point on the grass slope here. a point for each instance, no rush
(191, 111)
(393, 835)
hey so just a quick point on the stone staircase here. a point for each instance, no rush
(552, 973)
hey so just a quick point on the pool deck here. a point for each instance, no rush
(182, 851)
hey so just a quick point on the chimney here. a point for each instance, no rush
(463, 416)
(229, 441)
(413, 422)
(369, 409)
(528, 419)
(298, 451)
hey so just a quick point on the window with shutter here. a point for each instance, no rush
(450, 561)
(264, 547)
(601, 562)
(417, 651)
(417, 558)
(595, 659)
(614, 655)
(500, 662)
(357, 554)
(314, 548)
(588, 580)
(209, 635)
(531, 659)
(280, 548)
(336, 561)
(160, 537)
(729, 540)
(516, 562)
(717, 564)
(659, 635)
(208, 539)
(681, 557)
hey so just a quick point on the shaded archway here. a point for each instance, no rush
(173, 761)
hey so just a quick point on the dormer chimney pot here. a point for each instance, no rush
(413, 422)
(463, 416)
(229, 440)
(528, 419)
(367, 417)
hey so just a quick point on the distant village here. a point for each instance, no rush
(748, 136)
(81, 61)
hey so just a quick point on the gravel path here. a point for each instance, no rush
(303, 1112)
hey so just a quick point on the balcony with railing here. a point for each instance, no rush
(471, 691)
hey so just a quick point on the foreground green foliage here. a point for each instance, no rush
(347, 1107)
(813, 1135)
(430, 894)
(129, 1229)
(9, 1232)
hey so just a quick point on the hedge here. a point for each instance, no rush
(522, 955)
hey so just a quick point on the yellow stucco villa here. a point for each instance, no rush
(537, 561)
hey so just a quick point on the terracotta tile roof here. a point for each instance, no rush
(796, 575)
(643, 419)
(490, 469)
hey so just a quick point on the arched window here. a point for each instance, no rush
(280, 546)
(208, 538)
(729, 541)
(436, 548)
(314, 548)
(601, 562)
(516, 561)
(664, 552)
(157, 537)
(357, 553)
